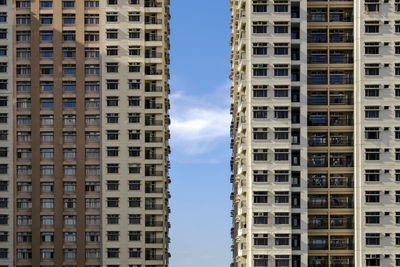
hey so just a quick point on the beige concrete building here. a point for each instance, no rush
(315, 133)
(84, 133)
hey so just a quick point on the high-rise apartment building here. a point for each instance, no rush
(84, 133)
(315, 132)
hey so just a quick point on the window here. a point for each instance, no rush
(282, 197)
(260, 176)
(372, 48)
(281, 27)
(134, 202)
(260, 90)
(23, 19)
(260, 27)
(372, 90)
(92, 36)
(134, 33)
(68, 4)
(281, 176)
(371, 112)
(134, 67)
(134, 50)
(397, 175)
(112, 117)
(69, 36)
(112, 50)
(281, 154)
(112, 67)
(371, 133)
(260, 112)
(91, 3)
(282, 240)
(281, 133)
(260, 48)
(260, 133)
(281, 218)
(372, 217)
(372, 196)
(260, 217)
(45, 36)
(372, 26)
(397, 111)
(372, 175)
(260, 239)
(112, 16)
(92, 52)
(260, 154)
(46, 18)
(281, 70)
(68, 19)
(134, 117)
(259, 6)
(134, 218)
(112, 202)
(260, 197)
(134, 84)
(281, 6)
(372, 239)
(281, 48)
(281, 91)
(260, 70)
(372, 154)
(372, 69)
(91, 19)
(281, 112)
(112, 33)
(373, 260)
(134, 16)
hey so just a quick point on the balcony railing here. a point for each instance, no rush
(153, 139)
(153, 190)
(318, 160)
(317, 141)
(154, 257)
(151, 122)
(318, 181)
(152, 4)
(337, 181)
(341, 222)
(154, 223)
(341, 202)
(153, 156)
(153, 173)
(341, 243)
(341, 99)
(152, 105)
(154, 206)
(341, 141)
(341, 160)
(153, 240)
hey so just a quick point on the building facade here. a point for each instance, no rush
(84, 133)
(315, 133)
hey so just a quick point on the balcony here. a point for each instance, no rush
(152, 72)
(318, 139)
(317, 15)
(341, 77)
(341, 36)
(152, 105)
(153, 122)
(152, 21)
(154, 257)
(318, 201)
(318, 261)
(341, 222)
(154, 223)
(341, 139)
(317, 77)
(152, 54)
(318, 243)
(340, 15)
(341, 160)
(317, 98)
(341, 202)
(342, 261)
(318, 160)
(317, 181)
(318, 222)
(341, 119)
(318, 119)
(153, 173)
(152, 4)
(317, 57)
(317, 36)
(341, 181)
(341, 243)
(154, 206)
(341, 57)
(153, 139)
(153, 190)
(152, 88)
(153, 156)
(154, 240)
(341, 98)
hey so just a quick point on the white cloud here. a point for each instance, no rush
(199, 123)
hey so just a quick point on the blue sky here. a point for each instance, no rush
(200, 188)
